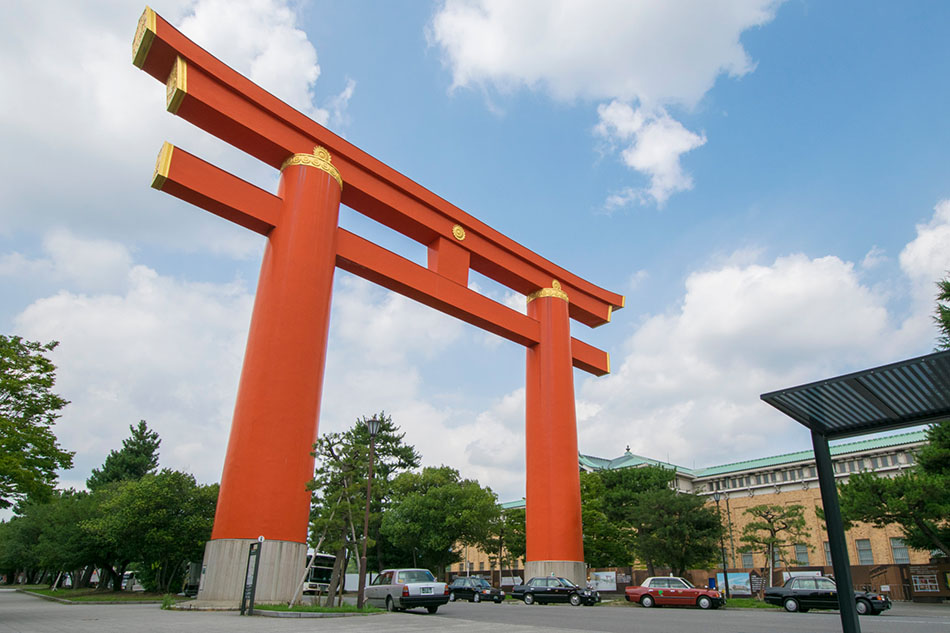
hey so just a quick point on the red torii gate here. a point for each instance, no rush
(268, 458)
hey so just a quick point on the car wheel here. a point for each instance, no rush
(791, 605)
(389, 604)
(704, 602)
(432, 609)
(476, 598)
(575, 600)
(647, 601)
(528, 598)
(452, 596)
(863, 607)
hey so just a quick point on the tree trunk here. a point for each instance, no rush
(335, 577)
(86, 579)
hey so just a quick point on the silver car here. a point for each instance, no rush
(399, 589)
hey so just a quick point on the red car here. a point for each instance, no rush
(662, 590)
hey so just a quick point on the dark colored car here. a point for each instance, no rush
(673, 591)
(802, 593)
(474, 589)
(545, 589)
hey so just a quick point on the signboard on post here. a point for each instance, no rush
(250, 576)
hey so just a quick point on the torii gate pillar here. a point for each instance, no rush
(552, 495)
(267, 465)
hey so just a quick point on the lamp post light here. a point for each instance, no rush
(722, 546)
(372, 425)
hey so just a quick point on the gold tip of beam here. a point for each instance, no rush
(176, 87)
(608, 362)
(623, 300)
(610, 311)
(162, 165)
(144, 34)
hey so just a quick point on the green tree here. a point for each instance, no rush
(505, 542)
(773, 529)
(918, 499)
(676, 530)
(29, 452)
(942, 313)
(161, 520)
(137, 457)
(607, 541)
(436, 509)
(339, 489)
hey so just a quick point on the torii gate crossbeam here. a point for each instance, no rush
(275, 419)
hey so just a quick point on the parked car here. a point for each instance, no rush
(545, 589)
(802, 593)
(673, 590)
(399, 589)
(474, 589)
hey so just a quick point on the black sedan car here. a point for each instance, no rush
(474, 589)
(545, 589)
(819, 592)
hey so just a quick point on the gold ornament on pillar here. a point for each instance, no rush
(553, 291)
(319, 159)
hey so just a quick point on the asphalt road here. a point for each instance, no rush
(20, 613)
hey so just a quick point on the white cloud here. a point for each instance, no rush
(83, 128)
(655, 142)
(642, 56)
(687, 386)
(87, 264)
(162, 349)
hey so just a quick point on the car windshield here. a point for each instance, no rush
(688, 583)
(415, 575)
(566, 582)
(481, 582)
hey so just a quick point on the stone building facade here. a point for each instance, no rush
(785, 479)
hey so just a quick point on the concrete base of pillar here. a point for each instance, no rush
(225, 565)
(575, 571)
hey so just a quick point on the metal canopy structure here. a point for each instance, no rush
(907, 393)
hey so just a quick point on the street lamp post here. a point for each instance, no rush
(372, 425)
(722, 546)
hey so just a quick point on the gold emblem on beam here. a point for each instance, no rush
(458, 232)
(319, 159)
(144, 34)
(162, 165)
(177, 85)
(553, 291)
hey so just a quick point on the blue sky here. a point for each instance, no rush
(767, 183)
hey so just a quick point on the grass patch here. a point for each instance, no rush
(749, 603)
(94, 595)
(312, 608)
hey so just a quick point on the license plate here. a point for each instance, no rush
(426, 590)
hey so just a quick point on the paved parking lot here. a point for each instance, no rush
(21, 613)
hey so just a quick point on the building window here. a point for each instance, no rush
(839, 467)
(852, 466)
(776, 557)
(747, 560)
(801, 553)
(481, 565)
(865, 556)
(874, 462)
(811, 471)
(784, 475)
(827, 554)
(925, 583)
(909, 457)
(899, 551)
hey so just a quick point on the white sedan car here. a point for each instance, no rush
(398, 589)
